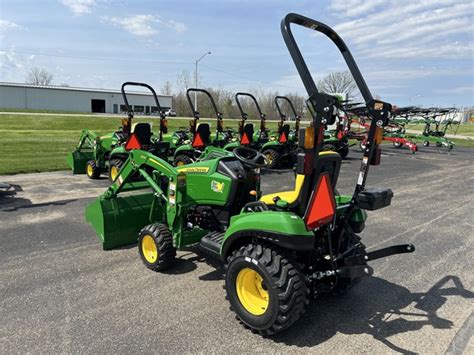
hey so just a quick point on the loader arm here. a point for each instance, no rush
(138, 161)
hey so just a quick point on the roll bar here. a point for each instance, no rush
(127, 127)
(324, 105)
(214, 106)
(245, 115)
(282, 116)
(284, 98)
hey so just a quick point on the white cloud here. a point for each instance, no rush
(139, 25)
(177, 26)
(425, 28)
(144, 25)
(6, 26)
(79, 7)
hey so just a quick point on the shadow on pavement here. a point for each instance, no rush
(375, 307)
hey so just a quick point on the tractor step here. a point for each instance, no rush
(212, 242)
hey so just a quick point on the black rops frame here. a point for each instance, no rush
(130, 110)
(245, 115)
(282, 115)
(213, 103)
(324, 105)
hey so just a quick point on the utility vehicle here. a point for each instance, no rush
(279, 250)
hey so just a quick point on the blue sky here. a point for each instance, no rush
(409, 52)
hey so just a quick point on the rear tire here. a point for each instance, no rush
(273, 157)
(155, 246)
(426, 143)
(265, 288)
(114, 167)
(92, 170)
(181, 160)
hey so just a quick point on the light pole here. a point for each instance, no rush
(196, 79)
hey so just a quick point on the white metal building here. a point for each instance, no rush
(73, 99)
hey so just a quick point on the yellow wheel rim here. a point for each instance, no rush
(90, 171)
(149, 249)
(180, 163)
(114, 172)
(269, 158)
(252, 292)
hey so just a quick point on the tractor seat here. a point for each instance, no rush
(202, 136)
(247, 134)
(330, 163)
(284, 134)
(143, 132)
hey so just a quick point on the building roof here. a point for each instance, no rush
(71, 88)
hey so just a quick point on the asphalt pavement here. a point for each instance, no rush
(60, 293)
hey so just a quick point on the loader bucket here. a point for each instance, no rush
(118, 220)
(77, 161)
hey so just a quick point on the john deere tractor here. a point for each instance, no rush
(279, 250)
(275, 147)
(95, 155)
(201, 135)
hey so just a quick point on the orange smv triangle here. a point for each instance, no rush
(197, 142)
(322, 205)
(340, 135)
(283, 138)
(133, 143)
(245, 139)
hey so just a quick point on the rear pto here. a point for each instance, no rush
(279, 250)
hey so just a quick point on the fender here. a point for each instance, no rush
(231, 146)
(281, 228)
(183, 148)
(273, 144)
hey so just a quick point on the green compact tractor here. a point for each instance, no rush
(201, 136)
(96, 154)
(263, 139)
(279, 249)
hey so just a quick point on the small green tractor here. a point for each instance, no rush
(95, 155)
(279, 250)
(275, 147)
(201, 136)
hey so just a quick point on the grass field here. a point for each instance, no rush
(32, 143)
(41, 143)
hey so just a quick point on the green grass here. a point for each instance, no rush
(41, 143)
(31, 143)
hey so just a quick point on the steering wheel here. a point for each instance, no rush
(250, 157)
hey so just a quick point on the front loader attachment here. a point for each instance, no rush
(77, 161)
(117, 220)
(84, 152)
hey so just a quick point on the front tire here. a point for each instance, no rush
(397, 145)
(114, 168)
(273, 157)
(155, 245)
(92, 170)
(181, 160)
(265, 288)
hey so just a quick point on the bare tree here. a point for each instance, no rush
(167, 89)
(184, 80)
(39, 76)
(338, 82)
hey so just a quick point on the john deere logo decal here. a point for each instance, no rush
(217, 186)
